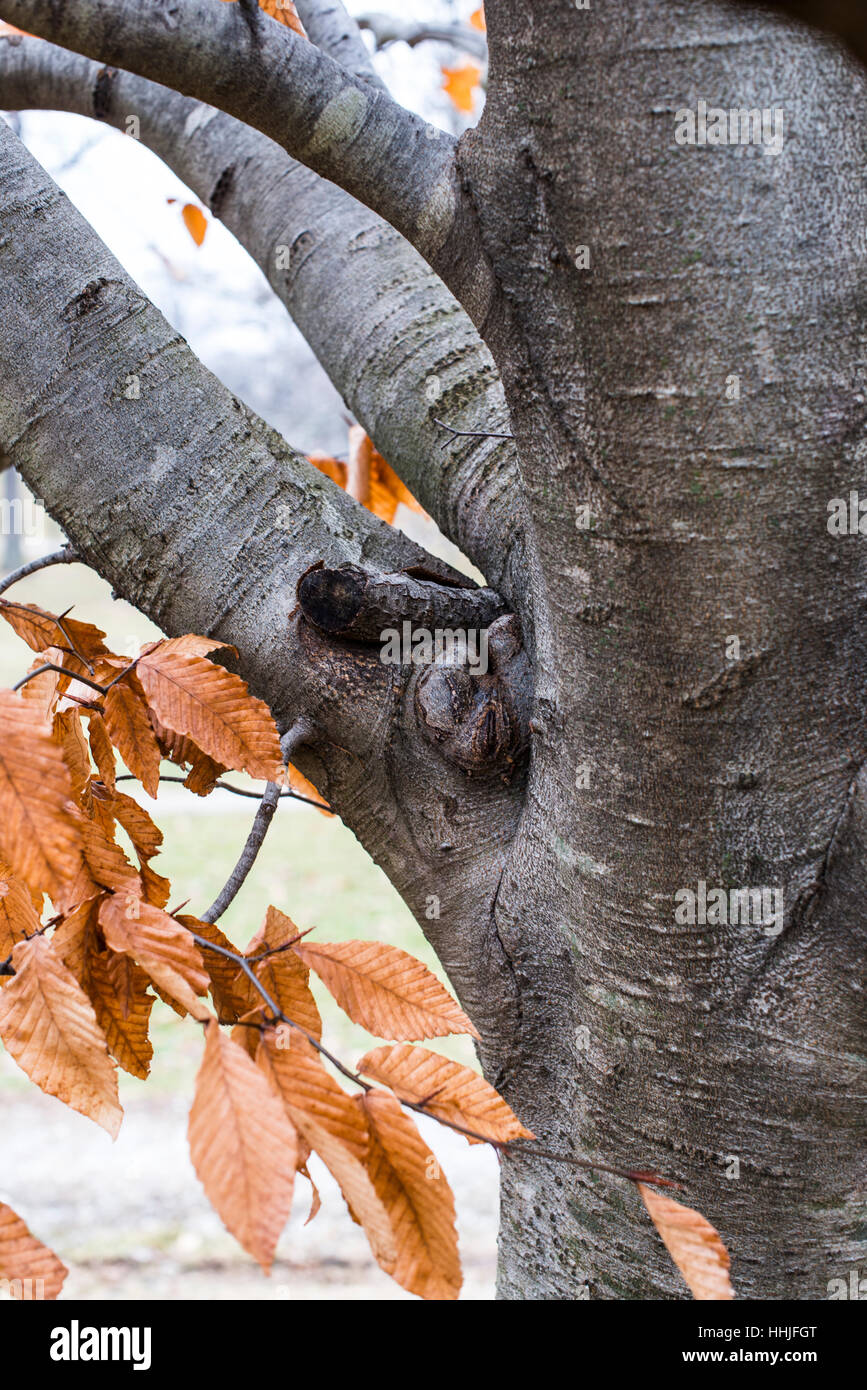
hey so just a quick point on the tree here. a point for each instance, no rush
(619, 358)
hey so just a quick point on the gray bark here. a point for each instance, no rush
(663, 754)
(405, 357)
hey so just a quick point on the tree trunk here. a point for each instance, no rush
(679, 332)
(665, 752)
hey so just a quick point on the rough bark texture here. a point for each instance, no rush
(685, 404)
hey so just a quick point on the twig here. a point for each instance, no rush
(258, 831)
(65, 556)
(470, 434)
(286, 793)
(63, 671)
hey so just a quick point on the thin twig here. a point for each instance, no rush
(471, 434)
(258, 831)
(63, 671)
(286, 793)
(65, 556)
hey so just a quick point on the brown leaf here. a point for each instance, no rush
(212, 705)
(692, 1243)
(41, 630)
(101, 749)
(128, 725)
(283, 975)
(231, 991)
(118, 991)
(18, 916)
(49, 1026)
(146, 837)
(243, 1146)
(33, 1271)
(76, 938)
(299, 784)
(447, 1090)
(461, 85)
(308, 1090)
(418, 1199)
(340, 1158)
(39, 838)
(386, 990)
(284, 12)
(104, 861)
(160, 945)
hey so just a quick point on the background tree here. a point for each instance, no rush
(626, 377)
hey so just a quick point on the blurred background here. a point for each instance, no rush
(130, 1218)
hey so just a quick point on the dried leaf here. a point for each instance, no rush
(231, 991)
(160, 945)
(242, 1146)
(386, 990)
(299, 784)
(460, 85)
(39, 838)
(18, 916)
(283, 975)
(692, 1243)
(118, 991)
(41, 630)
(129, 727)
(477, 19)
(340, 1159)
(33, 1271)
(146, 837)
(49, 1026)
(447, 1090)
(101, 749)
(195, 222)
(418, 1199)
(214, 707)
(308, 1090)
(284, 12)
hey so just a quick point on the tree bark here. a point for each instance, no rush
(679, 334)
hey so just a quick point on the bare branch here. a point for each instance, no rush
(278, 82)
(255, 840)
(358, 605)
(372, 310)
(387, 28)
(65, 556)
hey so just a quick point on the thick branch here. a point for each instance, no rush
(397, 346)
(358, 605)
(846, 19)
(281, 84)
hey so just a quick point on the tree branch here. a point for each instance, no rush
(358, 605)
(372, 310)
(334, 31)
(255, 840)
(65, 556)
(281, 84)
(387, 28)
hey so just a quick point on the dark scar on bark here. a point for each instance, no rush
(102, 92)
(221, 190)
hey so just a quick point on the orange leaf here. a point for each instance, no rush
(49, 1026)
(39, 838)
(212, 705)
(477, 19)
(692, 1243)
(418, 1199)
(41, 630)
(195, 222)
(18, 917)
(341, 1158)
(309, 1091)
(161, 946)
(231, 991)
(101, 749)
(283, 975)
(243, 1146)
(146, 837)
(448, 1090)
(386, 990)
(33, 1271)
(118, 991)
(299, 783)
(128, 725)
(460, 85)
(284, 12)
